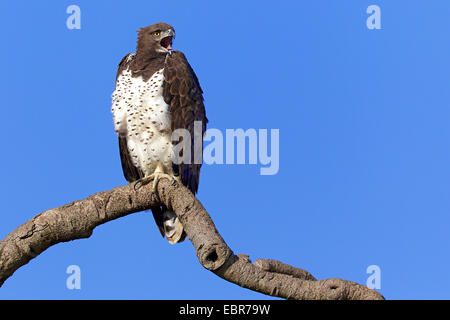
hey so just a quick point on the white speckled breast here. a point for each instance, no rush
(141, 115)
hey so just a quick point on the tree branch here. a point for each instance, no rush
(78, 219)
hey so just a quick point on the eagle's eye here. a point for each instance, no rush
(156, 33)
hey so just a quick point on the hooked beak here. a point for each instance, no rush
(166, 40)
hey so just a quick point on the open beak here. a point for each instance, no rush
(166, 39)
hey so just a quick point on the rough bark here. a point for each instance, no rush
(78, 219)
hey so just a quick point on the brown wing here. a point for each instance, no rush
(130, 172)
(183, 93)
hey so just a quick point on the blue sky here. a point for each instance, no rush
(363, 116)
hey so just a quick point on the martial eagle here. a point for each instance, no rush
(156, 93)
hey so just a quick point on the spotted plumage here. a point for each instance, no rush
(156, 93)
(143, 117)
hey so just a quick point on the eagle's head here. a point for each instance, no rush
(156, 38)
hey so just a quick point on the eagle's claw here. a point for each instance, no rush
(135, 184)
(157, 198)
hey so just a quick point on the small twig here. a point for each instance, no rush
(280, 267)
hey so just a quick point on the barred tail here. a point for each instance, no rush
(169, 225)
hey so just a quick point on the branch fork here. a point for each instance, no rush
(78, 219)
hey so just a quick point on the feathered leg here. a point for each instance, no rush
(157, 174)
